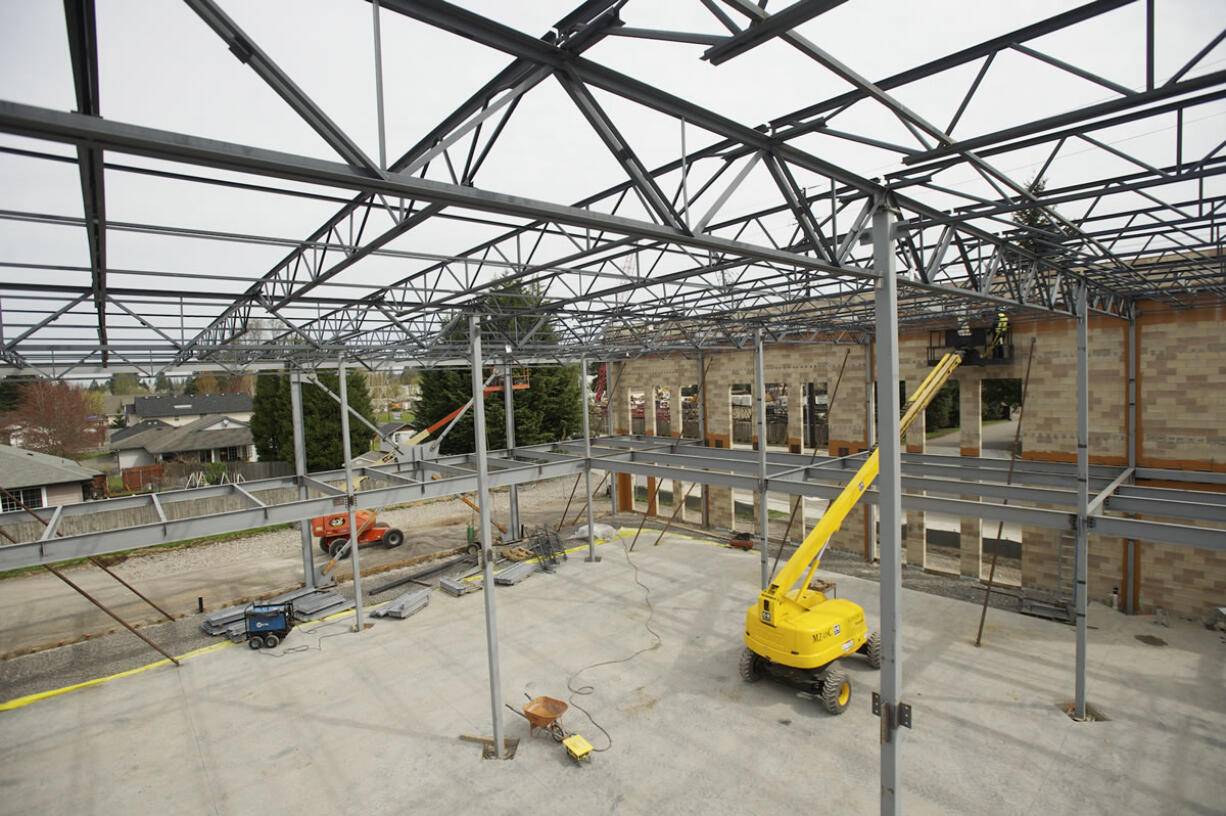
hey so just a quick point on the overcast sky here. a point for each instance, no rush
(161, 66)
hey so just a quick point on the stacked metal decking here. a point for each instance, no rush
(516, 573)
(458, 587)
(320, 603)
(405, 605)
(308, 603)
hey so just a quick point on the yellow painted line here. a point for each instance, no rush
(20, 702)
(43, 695)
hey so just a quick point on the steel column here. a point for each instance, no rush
(1081, 558)
(487, 548)
(610, 394)
(295, 403)
(701, 402)
(889, 489)
(508, 392)
(1130, 545)
(587, 466)
(760, 398)
(349, 497)
(870, 439)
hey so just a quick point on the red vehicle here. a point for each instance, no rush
(333, 531)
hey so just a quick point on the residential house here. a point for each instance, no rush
(398, 432)
(207, 439)
(41, 480)
(185, 409)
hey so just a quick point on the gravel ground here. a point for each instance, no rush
(443, 523)
(539, 503)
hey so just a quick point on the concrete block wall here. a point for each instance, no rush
(1181, 423)
(1049, 433)
(1181, 411)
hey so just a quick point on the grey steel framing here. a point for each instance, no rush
(624, 286)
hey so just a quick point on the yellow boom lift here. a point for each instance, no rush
(795, 632)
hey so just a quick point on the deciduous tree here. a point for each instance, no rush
(55, 418)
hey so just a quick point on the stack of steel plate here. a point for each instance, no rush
(516, 573)
(318, 604)
(407, 604)
(456, 587)
(222, 621)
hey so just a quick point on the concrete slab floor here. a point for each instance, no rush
(369, 723)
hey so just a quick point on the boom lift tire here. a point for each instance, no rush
(872, 650)
(836, 691)
(751, 666)
(393, 538)
(334, 546)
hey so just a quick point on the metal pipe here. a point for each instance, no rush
(131, 588)
(889, 488)
(374, 11)
(349, 499)
(487, 548)
(508, 398)
(121, 621)
(587, 468)
(295, 402)
(47, 526)
(1000, 526)
(760, 397)
(1083, 498)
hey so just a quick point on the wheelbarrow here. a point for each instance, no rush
(542, 713)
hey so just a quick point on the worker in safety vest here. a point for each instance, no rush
(1002, 327)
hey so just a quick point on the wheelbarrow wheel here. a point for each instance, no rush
(555, 730)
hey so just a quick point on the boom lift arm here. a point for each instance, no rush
(809, 554)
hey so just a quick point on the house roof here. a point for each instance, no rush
(388, 428)
(186, 405)
(24, 468)
(205, 433)
(138, 428)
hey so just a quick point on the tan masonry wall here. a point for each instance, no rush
(1181, 423)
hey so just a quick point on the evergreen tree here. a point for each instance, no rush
(272, 420)
(162, 384)
(126, 383)
(9, 394)
(271, 428)
(943, 411)
(549, 410)
(1038, 232)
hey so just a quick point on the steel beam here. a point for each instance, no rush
(768, 28)
(295, 401)
(80, 18)
(760, 405)
(889, 487)
(1081, 557)
(349, 498)
(587, 461)
(485, 531)
(43, 123)
(508, 396)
